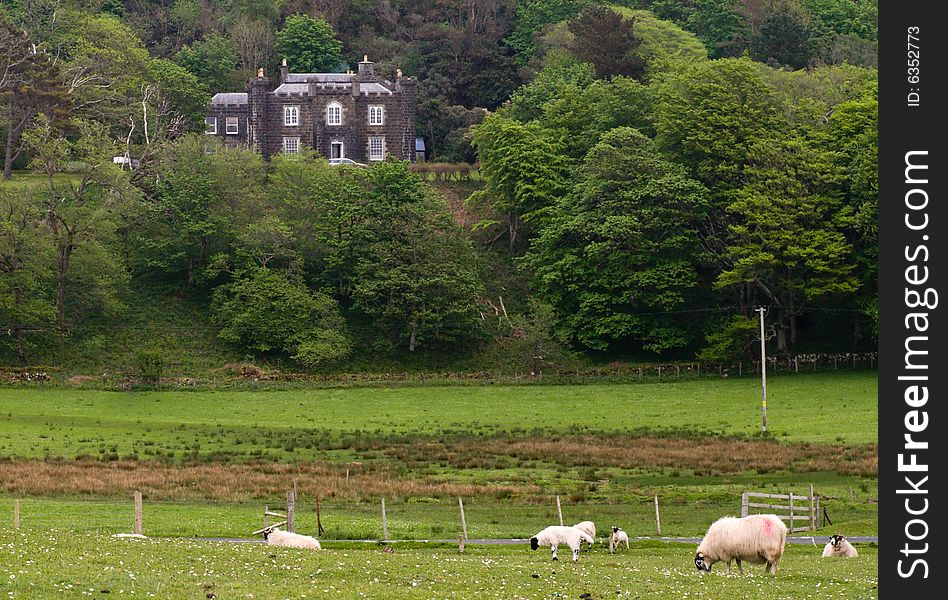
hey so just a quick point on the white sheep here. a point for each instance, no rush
(757, 539)
(555, 535)
(838, 545)
(588, 527)
(275, 537)
(618, 536)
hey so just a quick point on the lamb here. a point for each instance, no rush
(588, 527)
(275, 537)
(557, 534)
(838, 545)
(756, 538)
(618, 536)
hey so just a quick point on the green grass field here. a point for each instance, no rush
(40, 422)
(208, 461)
(58, 564)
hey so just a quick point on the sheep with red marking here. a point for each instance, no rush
(757, 539)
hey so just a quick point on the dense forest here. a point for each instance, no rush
(647, 173)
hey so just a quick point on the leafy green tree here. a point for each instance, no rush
(80, 211)
(559, 78)
(309, 44)
(787, 242)
(180, 95)
(525, 170)
(533, 15)
(619, 254)
(732, 340)
(605, 39)
(201, 202)
(26, 272)
(417, 280)
(783, 38)
(268, 311)
(212, 60)
(530, 342)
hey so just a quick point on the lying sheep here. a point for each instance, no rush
(555, 535)
(838, 545)
(588, 527)
(756, 538)
(618, 536)
(275, 537)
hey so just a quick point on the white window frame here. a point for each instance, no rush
(331, 108)
(294, 141)
(210, 125)
(376, 109)
(381, 148)
(291, 116)
(227, 124)
(342, 148)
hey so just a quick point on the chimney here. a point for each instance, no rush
(366, 70)
(284, 72)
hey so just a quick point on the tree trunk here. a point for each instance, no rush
(793, 330)
(414, 334)
(8, 157)
(62, 267)
(513, 224)
(781, 338)
(18, 327)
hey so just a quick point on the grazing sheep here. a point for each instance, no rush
(555, 535)
(589, 528)
(618, 536)
(275, 537)
(838, 545)
(756, 538)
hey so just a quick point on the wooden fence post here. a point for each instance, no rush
(463, 521)
(812, 510)
(791, 512)
(384, 521)
(461, 537)
(744, 504)
(658, 520)
(291, 511)
(138, 513)
(16, 514)
(559, 510)
(852, 500)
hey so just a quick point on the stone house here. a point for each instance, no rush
(340, 115)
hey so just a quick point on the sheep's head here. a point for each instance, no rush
(616, 529)
(267, 531)
(702, 563)
(836, 540)
(534, 543)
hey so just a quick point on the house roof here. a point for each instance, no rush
(230, 98)
(319, 77)
(297, 83)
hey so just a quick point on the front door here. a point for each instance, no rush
(335, 150)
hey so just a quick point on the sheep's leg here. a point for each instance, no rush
(739, 568)
(626, 544)
(554, 551)
(575, 553)
(771, 567)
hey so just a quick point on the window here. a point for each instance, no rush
(232, 126)
(291, 116)
(336, 150)
(376, 148)
(291, 145)
(334, 114)
(210, 126)
(376, 115)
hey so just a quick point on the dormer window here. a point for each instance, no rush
(291, 116)
(376, 115)
(232, 126)
(334, 114)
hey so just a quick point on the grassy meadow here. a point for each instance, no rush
(77, 565)
(208, 461)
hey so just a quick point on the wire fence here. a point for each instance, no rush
(405, 519)
(250, 377)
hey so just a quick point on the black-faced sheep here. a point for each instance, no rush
(275, 537)
(557, 534)
(758, 539)
(838, 545)
(618, 536)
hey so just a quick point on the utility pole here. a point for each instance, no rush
(763, 366)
